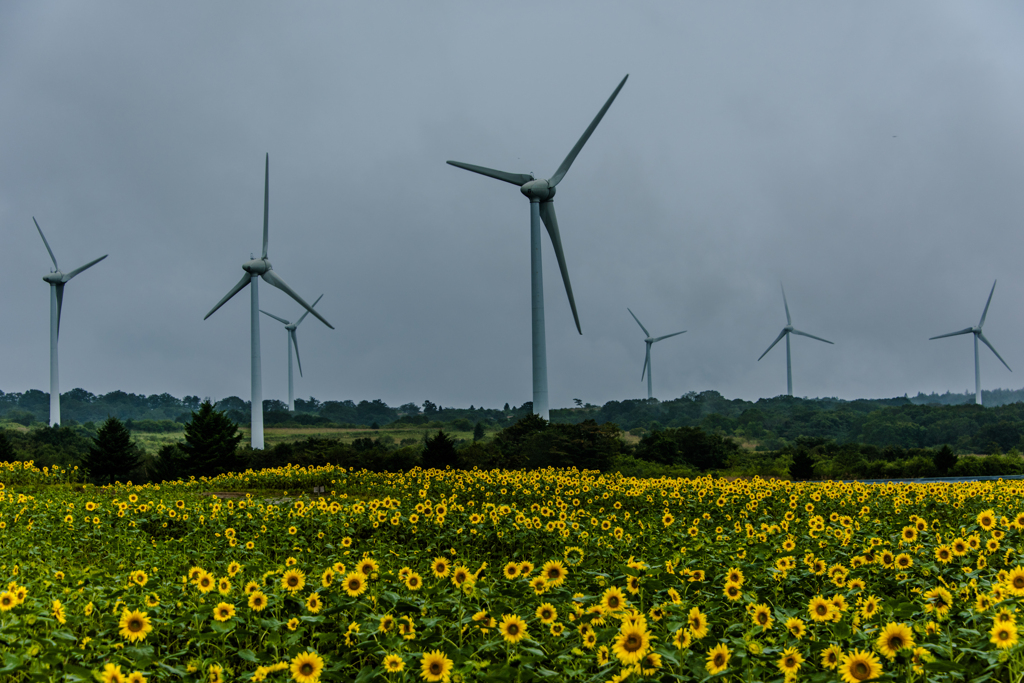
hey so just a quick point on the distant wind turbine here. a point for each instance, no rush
(786, 331)
(57, 280)
(541, 193)
(647, 361)
(254, 270)
(293, 341)
(976, 331)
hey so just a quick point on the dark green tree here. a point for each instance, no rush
(6, 449)
(439, 452)
(113, 454)
(478, 431)
(944, 460)
(211, 443)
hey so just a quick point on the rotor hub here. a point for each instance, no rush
(538, 190)
(54, 278)
(257, 266)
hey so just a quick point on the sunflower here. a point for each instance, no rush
(893, 638)
(327, 578)
(435, 666)
(796, 627)
(355, 584)
(682, 638)
(859, 665)
(215, 674)
(698, 623)
(234, 568)
(820, 609)
(152, 600)
(511, 570)
(313, 603)
(223, 585)
(830, 656)
(959, 547)
(650, 664)
(440, 568)
(135, 625)
(306, 667)
(734, 575)
(869, 606)
(547, 613)
(554, 571)
(205, 581)
(631, 644)
(393, 664)
(1014, 581)
(367, 566)
(512, 628)
(414, 581)
(406, 628)
(7, 601)
(293, 580)
(58, 612)
(732, 591)
(602, 656)
(938, 600)
(461, 575)
(762, 616)
(112, 674)
(790, 661)
(613, 599)
(904, 561)
(1003, 634)
(139, 577)
(718, 659)
(223, 611)
(136, 677)
(943, 554)
(525, 568)
(257, 601)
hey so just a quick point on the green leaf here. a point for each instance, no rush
(247, 655)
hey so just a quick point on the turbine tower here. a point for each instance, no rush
(57, 280)
(786, 331)
(293, 341)
(541, 193)
(254, 270)
(647, 361)
(976, 331)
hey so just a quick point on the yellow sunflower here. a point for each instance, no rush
(893, 638)
(306, 667)
(547, 613)
(859, 666)
(820, 609)
(1014, 581)
(512, 628)
(134, 625)
(393, 664)
(718, 659)
(762, 616)
(555, 572)
(257, 601)
(613, 599)
(223, 611)
(698, 623)
(1003, 634)
(293, 580)
(355, 584)
(938, 600)
(790, 661)
(631, 643)
(830, 656)
(435, 666)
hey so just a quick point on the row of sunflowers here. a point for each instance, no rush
(509, 575)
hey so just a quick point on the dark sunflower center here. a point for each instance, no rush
(895, 642)
(789, 663)
(632, 643)
(613, 602)
(821, 609)
(435, 668)
(1018, 582)
(719, 659)
(353, 584)
(293, 581)
(306, 669)
(762, 618)
(134, 625)
(860, 670)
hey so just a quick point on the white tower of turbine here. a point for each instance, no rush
(57, 280)
(541, 193)
(976, 331)
(254, 270)
(293, 342)
(786, 331)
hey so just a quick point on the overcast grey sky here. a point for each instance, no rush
(868, 155)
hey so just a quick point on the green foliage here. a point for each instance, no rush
(113, 455)
(211, 440)
(478, 431)
(6, 449)
(687, 445)
(439, 452)
(944, 460)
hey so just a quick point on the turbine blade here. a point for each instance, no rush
(234, 290)
(781, 335)
(76, 271)
(519, 179)
(993, 349)
(638, 322)
(266, 207)
(547, 214)
(985, 312)
(305, 313)
(804, 334)
(674, 334)
(274, 279)
(280, 320)
(295, 343)
(60, 304)
(953, 334)
(789, 321)
(647, 361)
(52, 257)
(560, 173)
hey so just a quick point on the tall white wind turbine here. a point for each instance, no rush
(293, 341)
(786, 331)
(57, 280)
(541, 193)
(976, 331)
(647, 361)
(254, 270)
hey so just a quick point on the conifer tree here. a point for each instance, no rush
(113, 454)
(6, 449)
(211, 442)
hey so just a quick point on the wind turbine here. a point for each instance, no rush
(293, 341)
(786, 331)
(254, 270)
(57, 280)
(976, 331)
(647, 361)
(541, 193)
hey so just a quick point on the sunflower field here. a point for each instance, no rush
(556, 575)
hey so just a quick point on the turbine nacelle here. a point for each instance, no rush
(540, 190)
(54, 278)
(257, 266)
